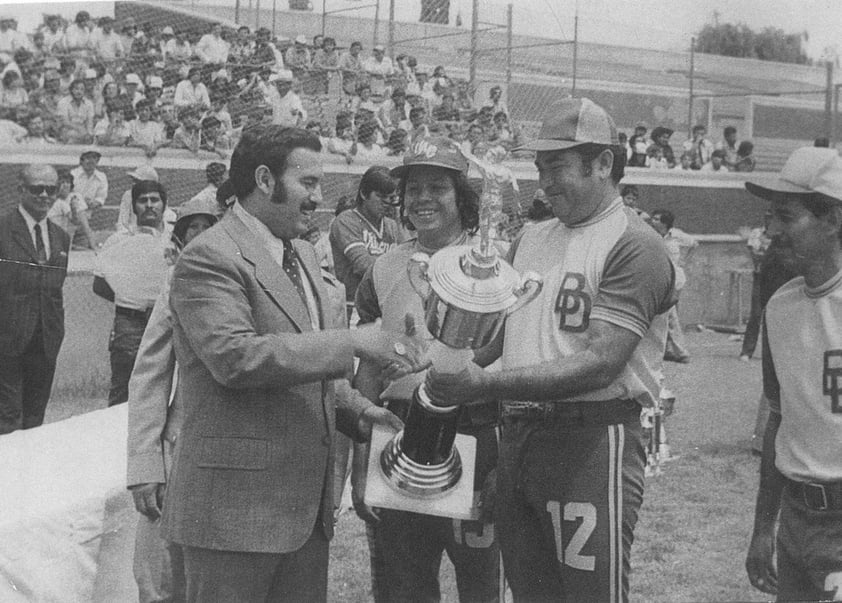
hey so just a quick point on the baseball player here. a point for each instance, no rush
(441, 207)
(571, 467)
(801, 464)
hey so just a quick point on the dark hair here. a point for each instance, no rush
(214, 172)
(10, 77)
(745, 149)
(269, 146)
(64, 175)
(698, 127)
(357, 43)
(342, 203)
(376, 179)
(628, 189)
(729, 130)
(821, 141)
(179, 230)
(143, 187)
(664, 216)
(224, 193)
(144, 103)
(329, 39)
(210, 121)
(193, 71)
(720, 153)
(467, 200)
(415, 111)
(588, 152)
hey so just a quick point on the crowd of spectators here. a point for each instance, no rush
(697, 152)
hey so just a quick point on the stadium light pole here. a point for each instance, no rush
(828, 102)
(508, 48)
(391, 29)
(575, 47)
(690, 99)
(472, 68)
(257, 16)
(237, 12)
(376, 22)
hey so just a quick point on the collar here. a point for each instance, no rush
(825, 288)
(30, 221)
(257, 227)
(616, 205)
(379, 231)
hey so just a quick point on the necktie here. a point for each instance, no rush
(39, 245)
(290, 266)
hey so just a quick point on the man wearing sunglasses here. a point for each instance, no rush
(33, 264)
(130, 271)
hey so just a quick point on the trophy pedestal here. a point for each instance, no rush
(456, 502)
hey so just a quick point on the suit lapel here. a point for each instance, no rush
(21, 235)
(272, 278)
(310, 268)
(58, 254)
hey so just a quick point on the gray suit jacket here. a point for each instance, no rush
(253, 464)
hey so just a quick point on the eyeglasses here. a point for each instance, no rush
(40, 189)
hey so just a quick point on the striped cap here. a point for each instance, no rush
(573, 121)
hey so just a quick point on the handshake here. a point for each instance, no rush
(397, 355)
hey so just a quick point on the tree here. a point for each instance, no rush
(770, 44)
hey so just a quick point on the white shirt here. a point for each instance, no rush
(212, 49)
(288, 110)
(108, 46)
(275, 247)
(93, 188)
(375, 67)
(187, 94)
(30, 225)
(134, 264)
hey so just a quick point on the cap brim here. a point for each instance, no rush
(777, 190)
(549, 144)
(398, 172)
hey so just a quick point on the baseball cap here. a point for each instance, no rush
(133, 78)
(168, 31)
(301, 39)
(89, 153)
(379, 47)
(90, 74)
(144, 172)
(571, 122)
(808, 170)
(156, 82)
(438, 151)
(51, 74)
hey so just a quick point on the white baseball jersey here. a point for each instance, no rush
(613, 268)
(802, 377)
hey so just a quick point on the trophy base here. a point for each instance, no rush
(442, 490)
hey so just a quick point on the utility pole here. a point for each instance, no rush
(690, 100)
(575, 46)
(376, 21)
(257, 16)
(392, 29)
(324, 16)
(828, 102)
(508, 48)
(237, 12)
(472, 69)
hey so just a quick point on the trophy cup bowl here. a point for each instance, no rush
(467, 296)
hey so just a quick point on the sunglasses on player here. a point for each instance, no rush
(40, 189)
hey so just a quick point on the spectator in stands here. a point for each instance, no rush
(113, 131)
(132, 285)
(10, 38)
(679, 247)
(360, 235)
(505, 134)
(730, 145)
(822, 142)
(495, 101)
(287, 108)
(154, 92)
(36, 133)
(325, 63)
(366, 150)
(379, 68)
(165, 37)
(699, 147)
(351, 67)
(297, 58)
(475, 140)
(216, 173)
(745, 157)
(106, 42)
(717, 162)
(464, 100)
(405, 75)
(13, 94)
(638, 146)
(144, 132)
(397, 143)
(343, 142)
(54, 41)
(213, 138)
(10, 129)
(38, 50)
(189, 134)
(447, 111)
(88, 181)
(132, 88)
(212, 49)
(34, 253)
(394, 113)
(631, 196)
(624, 142)
(363, 100)
(67, 73)
(660, 150)
(128, 34)
(178, 49)
(77, 36)
(70, 211)
(685, 162)
(76, 115)
(191, 92)
(418, 120)
(242, 48)
(266, 54)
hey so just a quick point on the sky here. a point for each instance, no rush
(657, 24)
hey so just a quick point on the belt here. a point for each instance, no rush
(607, 412)
(132, 313)
(818, 497)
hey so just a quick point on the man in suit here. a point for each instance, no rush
(250, 497)
(33, 264)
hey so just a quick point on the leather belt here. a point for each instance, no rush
(818, 497)
(606, 412)
(132, 313)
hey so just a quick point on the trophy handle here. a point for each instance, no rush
(416, 269)
(531, 284)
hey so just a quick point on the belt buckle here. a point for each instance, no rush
(815, 488)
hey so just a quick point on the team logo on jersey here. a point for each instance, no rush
(573, 303)
(831, 375)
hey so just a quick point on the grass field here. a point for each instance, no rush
(696, 517)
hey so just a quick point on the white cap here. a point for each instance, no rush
(379, 47)
(222, 73)
(301, 40)
(144, 172)
(284, 75)
(133, 78)
(90, 74)
(808, 170)
(155, 82)
(168, 31)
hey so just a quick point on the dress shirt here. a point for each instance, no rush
(288, 110)
(30, 225)
(187, 94)
(77, 38)
(108, 46)
(212, 49)
(275, 247)
(77, 114)
(375, 67)
(134, 265)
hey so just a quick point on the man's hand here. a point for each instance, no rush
(453, 389)
(759, 563)
(396, 355)
(380, 416)
(148, 499)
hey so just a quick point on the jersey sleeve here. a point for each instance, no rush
(637, 281)
(347, 238)
(771, 386)
(368, 306)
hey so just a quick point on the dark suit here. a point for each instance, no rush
(253, 464)
(31, 321)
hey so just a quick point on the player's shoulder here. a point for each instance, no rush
(788, 293)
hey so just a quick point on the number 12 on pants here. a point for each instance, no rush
(584, 515)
